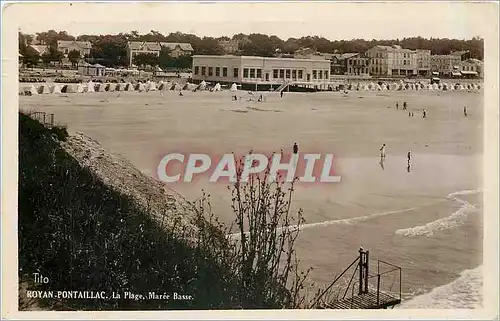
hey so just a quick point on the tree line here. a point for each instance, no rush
(111, 50)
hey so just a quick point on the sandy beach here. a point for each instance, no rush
(427, 220)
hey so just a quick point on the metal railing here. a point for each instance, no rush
(44, 118)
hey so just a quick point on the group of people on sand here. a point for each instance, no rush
(410, 113)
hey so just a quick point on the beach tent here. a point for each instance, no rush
(89, 87)
(177, 87)
(140, 87)
(190, 87)
(151, 86)
(55, 89)
(202, 85)
(378, 87)
(110, 87)
(129, 87)
(120, 86)
(234, 87)
(44, 89)
(165, 86)
(30, 90)
(217, 87)
(100, 87)
(478, 86)
(72, 88)
(435, 86)
(430, 87)
(370, 86)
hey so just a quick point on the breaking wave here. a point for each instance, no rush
(452, 221)
(466, 292)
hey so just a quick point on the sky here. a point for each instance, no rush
(332, 20)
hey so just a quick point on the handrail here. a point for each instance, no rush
(398, 267)
(334, 281)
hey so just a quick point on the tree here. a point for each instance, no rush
(74, 56)
(146, 59)
(53, 55)
(164, 57)
(31, 58)
(51, 37)
(110, 50)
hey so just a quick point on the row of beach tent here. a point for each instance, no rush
(163, 86)
(412, 86)
(90, 87)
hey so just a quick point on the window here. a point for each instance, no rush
(282, 74)
(245, 72)
(275, 73)
(203, 70)
(210, 71)
(196, 70)
(252, 73)
(236, 72)
(259, 73)
(320, 72)
(217, 71)
(300, 74)
(288, 74)
(326, 74)
(294, 74)
(315, 76)
(224, 71)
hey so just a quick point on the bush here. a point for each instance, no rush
(83, 235)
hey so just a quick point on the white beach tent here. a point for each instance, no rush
(44, 89)
(120, 86)
(379, 87)
(177, 87)
(150, 86)
(140, 87)
(72, 88)
(217, 87)
(30, 90)
(190, 87)
(435, 87)
(202, 85)
(110, 87)
(89, 87)
(100, 87)
(128, 87)
(55, 89)
(430, 87)
(165, 86)
(234, 87)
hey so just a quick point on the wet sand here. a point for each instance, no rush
(379, 202)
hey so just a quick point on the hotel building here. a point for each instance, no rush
(260, 70)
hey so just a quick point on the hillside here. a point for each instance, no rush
(90, 221)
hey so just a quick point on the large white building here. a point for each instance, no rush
(392, 61)
(260, 70)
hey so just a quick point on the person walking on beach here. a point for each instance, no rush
(281, 94)
(404, 106)
(409, 158)
(397, 105)
(465, 111)
(424, 114)
(382, 152)
(295, 148)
